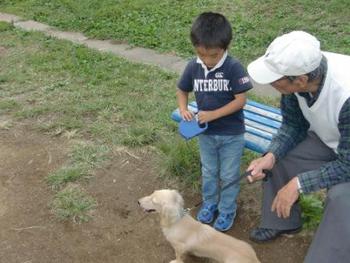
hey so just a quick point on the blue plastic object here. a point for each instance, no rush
(190, 129)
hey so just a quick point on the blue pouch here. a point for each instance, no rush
(190, 129)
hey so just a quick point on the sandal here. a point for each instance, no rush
(224, 221)
(206, 213)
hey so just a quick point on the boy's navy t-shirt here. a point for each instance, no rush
(216, 90)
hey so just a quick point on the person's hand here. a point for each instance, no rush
(206, 116)
(285, 198)
(186, 115)
(257, 166)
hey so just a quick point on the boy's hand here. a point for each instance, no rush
(206, 116)
(186, 115)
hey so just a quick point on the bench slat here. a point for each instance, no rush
(264, 113)
(260, 126)
(263, 120)
(258, 133)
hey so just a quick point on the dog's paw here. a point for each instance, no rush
(176, 261)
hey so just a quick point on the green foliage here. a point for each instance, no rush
(312, 210)
(73, 203)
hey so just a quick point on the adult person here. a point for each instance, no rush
(311, 150)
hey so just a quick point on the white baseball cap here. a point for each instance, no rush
(292, 54)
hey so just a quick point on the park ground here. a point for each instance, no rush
(119, 232)
(79, 123)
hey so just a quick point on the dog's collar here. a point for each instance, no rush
(185, 211)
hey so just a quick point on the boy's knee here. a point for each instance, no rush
(209, 172)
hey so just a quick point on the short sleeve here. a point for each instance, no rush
(240, 79)
(186, 81)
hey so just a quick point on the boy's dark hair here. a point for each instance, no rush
(211, 30)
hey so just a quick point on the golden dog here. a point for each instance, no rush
(187, 235)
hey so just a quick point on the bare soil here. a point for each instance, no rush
(119, 231)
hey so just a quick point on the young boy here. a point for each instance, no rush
(219, 83)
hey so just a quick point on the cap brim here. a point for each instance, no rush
(260, 73)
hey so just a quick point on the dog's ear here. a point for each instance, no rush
(169, 214)
(173, 210)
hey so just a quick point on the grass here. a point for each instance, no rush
(181, 159)
(70, 201)
(7, 105)
(65, 175)
(89, 155)
(164, 25)
(73, 203)
(69, 87)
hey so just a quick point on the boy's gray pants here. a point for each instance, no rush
(331, 243)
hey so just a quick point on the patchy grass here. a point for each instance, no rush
(89, 155)
(84, 159)
(66, 175)
(164, 25)
(73, 203)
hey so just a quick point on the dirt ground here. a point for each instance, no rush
(119, 232)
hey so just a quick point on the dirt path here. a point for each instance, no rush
(30, 233)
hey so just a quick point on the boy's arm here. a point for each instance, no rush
(182, 101)
(233, 106)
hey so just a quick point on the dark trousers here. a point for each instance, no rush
(331, 242)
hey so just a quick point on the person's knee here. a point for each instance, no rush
(339, 194)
